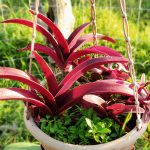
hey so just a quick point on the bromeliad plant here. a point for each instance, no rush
(59, 97)
(52, 99)
(111, 96)
(64, 51)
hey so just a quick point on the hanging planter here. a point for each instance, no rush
(126, 142)
(105, 87)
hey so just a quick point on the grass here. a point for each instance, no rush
(12, 128)
(109, 22)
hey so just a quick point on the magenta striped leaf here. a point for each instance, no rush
(76, 34)
(85, 58)
(115, 74)
(80, 60)
(129, 108)
(78, 71)
(142, 86)
(46, 50)
(91, 98)
(88, 38)
(95, 50)
(120, 108)
(57, 33)
(40, 29)
(21, 76)
(24, 95)
(100, 87)
(51, 80)
(117, 108)
(95, 102)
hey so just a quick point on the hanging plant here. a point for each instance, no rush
(88, 113)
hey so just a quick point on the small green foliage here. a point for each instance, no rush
(127, 119)
(80, 126)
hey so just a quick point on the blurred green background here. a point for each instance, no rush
(109, 22)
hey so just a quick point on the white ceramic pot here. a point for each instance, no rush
(126, 142)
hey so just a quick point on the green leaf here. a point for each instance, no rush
(72, 129)
(113, 135)
(104, 131)
(52, 130)
(127, 119)
(108, 122)
(148, 127)
(96, 137)
(90, 113)
(103, 136)
(89, 122)
(101, 124)
(90, 131)
(117, 128)
(67, 120)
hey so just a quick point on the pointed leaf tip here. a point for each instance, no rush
(76, 34)
(40, 29)
(21, 76)
(24, 95)
(57, 33)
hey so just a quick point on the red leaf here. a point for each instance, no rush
(51, 80)
(58, 35)
(95, 102)
(76, 34)
(115, 74)
(81, 60)
(75, 63)
(46, 50)
(132, 108)
(88, 38)
(21, 94)
(91, 98)
(142, 86)
(40, 29)
(21, 76)
(120, 108)
(78, 71)
(100, 87)
(116, 108)
(95, 50)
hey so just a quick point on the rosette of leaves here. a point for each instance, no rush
(66, 53)
(54, 98)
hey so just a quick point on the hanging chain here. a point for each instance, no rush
(93, 17)
(33, 34)
(32, 48)
(131, 62)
